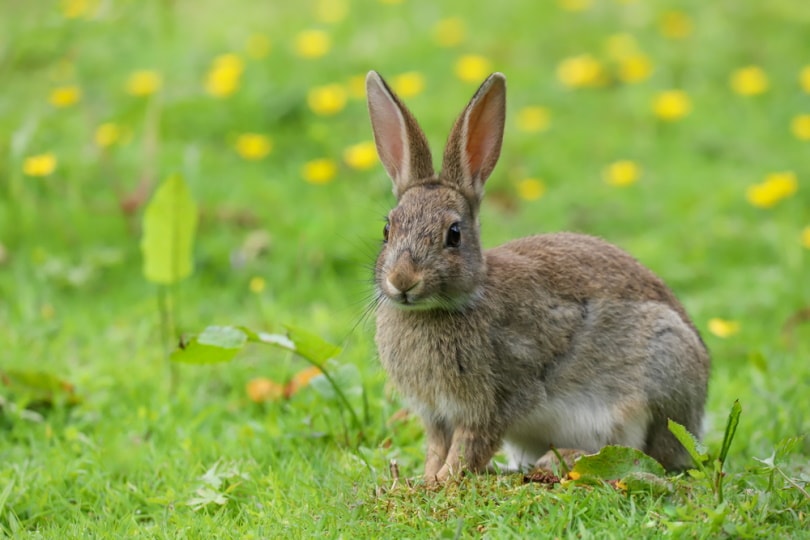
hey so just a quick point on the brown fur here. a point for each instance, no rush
(558, 339)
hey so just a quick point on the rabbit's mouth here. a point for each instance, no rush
(411, 300)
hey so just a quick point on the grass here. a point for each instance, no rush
(137, 456)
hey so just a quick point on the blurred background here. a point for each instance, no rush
(677, 129)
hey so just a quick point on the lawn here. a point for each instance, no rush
(678, 130)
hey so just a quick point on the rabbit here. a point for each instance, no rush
(559, 340)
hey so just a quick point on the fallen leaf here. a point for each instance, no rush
(541, 476)
(300, 380)
(262, 390)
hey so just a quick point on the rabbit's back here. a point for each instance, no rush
(580, 267)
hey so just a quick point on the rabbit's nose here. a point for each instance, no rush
(402, 283)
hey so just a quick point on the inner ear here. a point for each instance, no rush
(474, 144)
(400, 142)
(484, 127)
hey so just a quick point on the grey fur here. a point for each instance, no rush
(557, 339)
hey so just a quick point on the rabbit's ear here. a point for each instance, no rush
(475, 142)
(401, 144)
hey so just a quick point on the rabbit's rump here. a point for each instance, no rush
(626, 370)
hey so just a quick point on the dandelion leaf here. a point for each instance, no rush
(696, 450)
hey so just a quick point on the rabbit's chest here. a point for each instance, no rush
(442, 371)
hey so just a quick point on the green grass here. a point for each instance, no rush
(132, 456)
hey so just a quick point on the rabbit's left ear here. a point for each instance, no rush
(401, 144)
(474, 144)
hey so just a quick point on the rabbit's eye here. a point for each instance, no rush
(453, 235)
(385, 232)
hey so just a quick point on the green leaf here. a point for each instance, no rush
(345, 376)
(731, 429)
(169, 224)
(214, 345)
(311, 346)
(695, 449)
(614, 462)
(638, 481)
(40, 387)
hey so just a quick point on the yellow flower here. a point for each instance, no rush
(581, 71)
(224, 76)
(327, 100)
(533, 119)
(356, 87)
(800, 126)
(672, 105)
(635, 68)
(65, 96)
(531, 189)
(253, 146)
(73, 9)
(107, 134)
(320, 171)
(473, 68)
(806, 237)
(804, 78)
(361, 156)
(621, 46)
(774, 188)
(408, 84)
(258, 46)
(449, 32)
(39, 165)
(675, 25)
(574, 5)
(312, 44)
(257, 284)
(749, 81)
(723, 328)
(622, 173)
(331, 11)
(143, 82)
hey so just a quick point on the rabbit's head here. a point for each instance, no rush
(431, 256)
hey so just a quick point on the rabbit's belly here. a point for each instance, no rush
(576, 422)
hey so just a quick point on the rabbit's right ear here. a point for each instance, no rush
(401, 144)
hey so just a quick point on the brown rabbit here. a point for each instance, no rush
(555, 340)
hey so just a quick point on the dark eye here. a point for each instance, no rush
(453, 235)
(385, 232)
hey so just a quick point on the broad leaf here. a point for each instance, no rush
(311, 346)
(615, 462)
(345, 377)
(216, 344)
(169, 224)
(645, 482)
